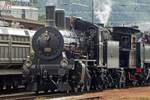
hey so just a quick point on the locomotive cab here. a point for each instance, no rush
(131, 53)
(127, 38)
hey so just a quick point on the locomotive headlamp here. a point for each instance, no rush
(64, 62)
(28, 62)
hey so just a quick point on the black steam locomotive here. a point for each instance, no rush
(84, 56)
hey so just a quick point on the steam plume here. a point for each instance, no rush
(102, 10)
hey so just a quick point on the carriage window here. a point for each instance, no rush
(1, 31)
(138, 35)
(125, 41)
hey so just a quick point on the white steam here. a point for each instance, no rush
(102, 10)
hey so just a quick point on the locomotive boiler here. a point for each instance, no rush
(84, 56)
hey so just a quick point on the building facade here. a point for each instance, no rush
(23, 9)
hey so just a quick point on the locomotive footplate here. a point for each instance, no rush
(10, 72)
(52, 69)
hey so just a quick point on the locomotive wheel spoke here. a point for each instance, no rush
(88, 85)
(75, 89)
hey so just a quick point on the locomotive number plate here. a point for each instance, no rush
(47, 50)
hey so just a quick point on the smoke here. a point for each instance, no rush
(102, 10)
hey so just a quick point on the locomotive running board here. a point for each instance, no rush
(10, 72)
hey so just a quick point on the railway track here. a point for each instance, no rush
(18, 96)
(33, 96)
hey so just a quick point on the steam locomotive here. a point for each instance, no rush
(84, 56)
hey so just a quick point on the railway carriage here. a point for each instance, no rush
(14, 49)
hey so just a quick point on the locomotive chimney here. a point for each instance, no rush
(60, 18)
(50, 15)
